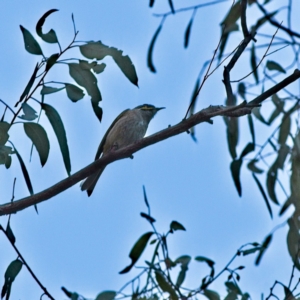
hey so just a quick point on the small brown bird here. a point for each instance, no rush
(130, 126)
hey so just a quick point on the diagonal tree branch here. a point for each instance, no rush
(204, 115)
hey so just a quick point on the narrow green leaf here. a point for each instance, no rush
(148, 217)
(233, 287)
(74, 93)
(5, 152)
(24, 171)
(235, 168)
(211, 295)
(7, 161)
(29, 85)
(39, 138)
(206, 260)
(282, 155)
(145, 197)
(106, 295)
(264, 247)
(98, 50)
(249, 148)
(49, 37)
(49, 90)
(176, 226)
(150, 50)
(271, 181)
(10, 233)
(51, 61)
(31, 45)
(284, 130)
(250, 251)
(261, 189)
(13, 270)
(293, 241)
(29, 113)
(286, 205)
(188, 32)
(264, 19)
(97, 110)
(252, 167)
(253, 64)
(242, 90)
(193, 105)
(137, 250)
(59, 130)
(86, 79)
(251, 127)
(4, 136)
(233, 15)
(273, 65)
(165, 285)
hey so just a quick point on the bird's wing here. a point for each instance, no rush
(100, 148)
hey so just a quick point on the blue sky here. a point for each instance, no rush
(82, 243)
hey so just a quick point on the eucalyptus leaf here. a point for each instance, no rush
(39, 138)
(59, 130)
(29, 113)
(150, 50)
(31, 45)
(49, 37)
(74, 93)
(273, 65)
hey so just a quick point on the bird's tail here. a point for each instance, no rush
(90, 182)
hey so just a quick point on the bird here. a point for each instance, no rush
(129, 127)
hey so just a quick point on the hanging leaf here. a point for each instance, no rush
(24, 171)
(282, 155)
(273, 65)
(106, 295)
(10, 275)
(165, 285)
(137, 250)
(99, 68)
(176, 226)
(284, 130)
(251, 127)
(211, 295)
(252, 167)
(86, 79)
(286, 205)
(249, 148)
(258, 115)
(49, 37)
(242, 90)
(264, 19)
(261, 189)
(253, 64)
(9, 233)
(271, 181)
(187, 32)
(50, 90)
(97, 110)
(206, 260)
(293, 241)
(4, 136)
(148, 218)
(145, 197)
(74, 93)
(31, 45)
(150, 50)
(264, 247)
(184, 262)
(59, 130)
(51, 61)
(192, 108)
(29, 113)
(232, 135)
(5, 153)
(40, 140)
(235, 168)
(98, 51)
(232, 286)
(29, 85)
(233, 15)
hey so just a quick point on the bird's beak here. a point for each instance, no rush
(159, 108)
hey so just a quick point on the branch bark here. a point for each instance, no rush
(204, 115)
